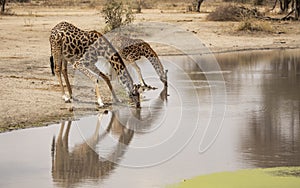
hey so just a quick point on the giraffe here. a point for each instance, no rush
(132, 50)
(82, 48)
(74, 43)
(72, 166)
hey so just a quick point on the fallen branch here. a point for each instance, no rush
(287, 17)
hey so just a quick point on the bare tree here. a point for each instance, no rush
(285, 4)
(297, 9)
(139, 6)
(199, 2)
(2, 2)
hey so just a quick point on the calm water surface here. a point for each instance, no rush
(258, 104)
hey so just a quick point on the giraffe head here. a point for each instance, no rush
(135, 95)
(164, 78)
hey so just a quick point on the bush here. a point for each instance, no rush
(251, 25)
(116, 14)
(238, 1)
(232, 13)
(225, 13)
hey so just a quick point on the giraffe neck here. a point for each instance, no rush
(102, 47)
(151, 55)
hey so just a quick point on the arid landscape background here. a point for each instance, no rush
(30, 95)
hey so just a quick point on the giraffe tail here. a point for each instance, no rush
(52, 65)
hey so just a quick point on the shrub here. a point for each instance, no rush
(238, 1)
(251, 25)
(116, 14)
(225, 13)
(232, 13)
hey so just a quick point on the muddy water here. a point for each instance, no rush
(243, 115)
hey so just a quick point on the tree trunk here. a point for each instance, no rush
(297, 10)
(199, 5)
(275, 5)
(3, 6)
(286, 5)
(139, 4)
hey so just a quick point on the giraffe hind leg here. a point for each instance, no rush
(65, 74)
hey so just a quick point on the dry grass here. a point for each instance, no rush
(253, 25)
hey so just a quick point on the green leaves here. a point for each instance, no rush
(116, 14)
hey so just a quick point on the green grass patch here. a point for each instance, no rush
(255, 178)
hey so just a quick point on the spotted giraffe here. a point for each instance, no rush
(71, 44)
(132, 50)
(75, 42)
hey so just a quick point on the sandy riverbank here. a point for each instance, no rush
(30, 95)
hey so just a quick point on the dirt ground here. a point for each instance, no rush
(30, 95)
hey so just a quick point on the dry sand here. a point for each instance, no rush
(30, 95)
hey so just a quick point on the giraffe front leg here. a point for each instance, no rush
(58, 71)
(144, 86)
(106, 79)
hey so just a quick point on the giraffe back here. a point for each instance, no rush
(70, 41)
(134, 49)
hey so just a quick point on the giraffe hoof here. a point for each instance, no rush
(66, 98)
(100, 103)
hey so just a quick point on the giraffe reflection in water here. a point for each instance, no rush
(83, 162)
(74, 166)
